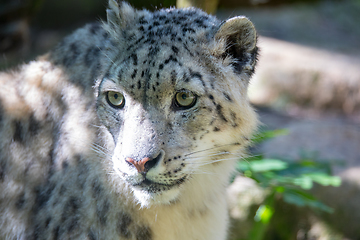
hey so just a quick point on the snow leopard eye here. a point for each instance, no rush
(184, 99)
(115, 99)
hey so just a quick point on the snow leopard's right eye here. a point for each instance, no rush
(115, 99)
(184, 99)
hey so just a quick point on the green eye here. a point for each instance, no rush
(185, 99)
(115, 99)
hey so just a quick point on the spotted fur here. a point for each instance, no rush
(74, 164)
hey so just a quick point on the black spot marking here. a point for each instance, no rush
(94, 28)
(139, 84)
(219, 110)
(18, 131)
(227, 97)
(141, 28)
(56, 232)
(34, 125)
(102, 211)
(133, 75)
(91, 54)
(153, 51)
(71, 58)
(175, 49)
(2, 168)
(171, 58)
(36, 232)
(47, 222)
(122, 227)
(64, 165)
(70, 213)
(20, 202)
(193, 41)
(196, 75)
(156, 23)
(97, 189)
(216, 129)
(211, 97)
(234, 119)
(161, 66)
(142, 20)
(173, 76)
(42, 196)
(91, 235)
(135, 59)
(83, 171)
(143, 233)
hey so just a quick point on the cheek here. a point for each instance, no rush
(197, 124)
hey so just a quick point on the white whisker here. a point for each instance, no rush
(210, 155)
(210, 149)
(212, 161)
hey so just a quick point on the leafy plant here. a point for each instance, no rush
(286, 179)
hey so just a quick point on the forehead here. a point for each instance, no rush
(168, 37)
(168, 25)
(174, 30)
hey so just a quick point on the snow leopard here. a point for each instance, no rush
(129, 128)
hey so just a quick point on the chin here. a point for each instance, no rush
(148, 199)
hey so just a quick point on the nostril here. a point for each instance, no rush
(152, 162)
(145, 164)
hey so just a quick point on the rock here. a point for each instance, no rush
(289, 73)
(244, 196)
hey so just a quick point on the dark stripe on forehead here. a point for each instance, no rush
(197, 75)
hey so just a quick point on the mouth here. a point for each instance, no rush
(155, 187)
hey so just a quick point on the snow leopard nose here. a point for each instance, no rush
(145, 164)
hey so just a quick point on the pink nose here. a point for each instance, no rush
(139, 165)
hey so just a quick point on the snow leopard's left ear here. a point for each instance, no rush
(119, 14)
(240, 36)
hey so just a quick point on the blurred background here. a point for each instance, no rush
(307, 81)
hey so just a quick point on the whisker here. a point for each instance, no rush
(210, 155)
(101, 150)
(210, 149)
(212, 161)
(103, 52)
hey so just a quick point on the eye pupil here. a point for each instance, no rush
(184, 100)
(115, 99)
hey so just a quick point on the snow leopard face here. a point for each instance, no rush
(174, 98)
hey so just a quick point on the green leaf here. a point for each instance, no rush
(324, 179)
(302, 199)
(262, 165)
(304, 182)
(264, 213)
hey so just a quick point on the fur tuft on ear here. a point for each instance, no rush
(240, 36)
(119, 14)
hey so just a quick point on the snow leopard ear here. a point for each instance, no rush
(240, 36)
(119, 14)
